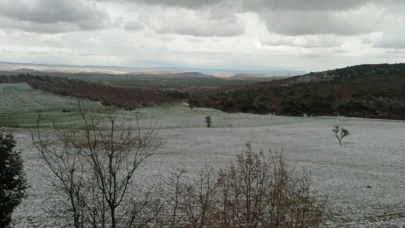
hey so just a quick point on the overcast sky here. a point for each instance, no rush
(307, 35)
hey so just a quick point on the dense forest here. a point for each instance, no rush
(371, 91)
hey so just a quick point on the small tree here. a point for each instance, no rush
(208, 121)
(12, 178)
(340, 133)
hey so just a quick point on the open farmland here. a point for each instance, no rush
(363, 179)
(20, 106)
(149, 81)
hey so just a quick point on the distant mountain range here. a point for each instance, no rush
(256, 77)
(40, 68)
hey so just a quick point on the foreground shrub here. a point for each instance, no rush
(255, 191)
(95, 170)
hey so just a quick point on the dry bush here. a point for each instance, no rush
(96, 167)
(256, 191)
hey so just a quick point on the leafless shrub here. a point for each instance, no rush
(95, 167)
(256, 191)
(171, 216)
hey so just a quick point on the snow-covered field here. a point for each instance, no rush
(374, 156)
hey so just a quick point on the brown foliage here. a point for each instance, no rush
(255, 192)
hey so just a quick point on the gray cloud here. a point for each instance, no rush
(133, 26)
(194, 23)
(195, 39)
(304, 42)
(367, 40)
(182, 3)
(309, 5)
(35, 27)
(396, 52)
(208, 29)
(50, 16)
(36, 53)
(192, 4)
(197, 32)
(60, 27)
(288, 17)
(394, 37)
(391, 42)
(296, 23)
(259, 5)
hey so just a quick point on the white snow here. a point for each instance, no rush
(374, 155)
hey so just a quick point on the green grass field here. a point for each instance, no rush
(20, 106)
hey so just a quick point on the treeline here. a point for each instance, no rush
(367, 91)
(107, 95)
(365, 71)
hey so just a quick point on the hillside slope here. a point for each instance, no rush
(107, 95)
(20, 106)
(372, 91)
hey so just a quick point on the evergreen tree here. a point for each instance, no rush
(12, 178)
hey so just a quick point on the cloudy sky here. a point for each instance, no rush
(308, 35)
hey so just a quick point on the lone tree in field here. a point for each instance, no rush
(340, 133)
(208, 121)
(12, 178)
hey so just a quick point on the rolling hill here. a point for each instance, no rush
(371, 91)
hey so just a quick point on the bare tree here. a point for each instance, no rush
(256, 191)
(340, 133)
(198, 199)
(172, 216)
(95, 167)
(67, 166)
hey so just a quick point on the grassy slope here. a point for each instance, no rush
(20, 106)
(141, 82)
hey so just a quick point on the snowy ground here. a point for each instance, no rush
(374, 155)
